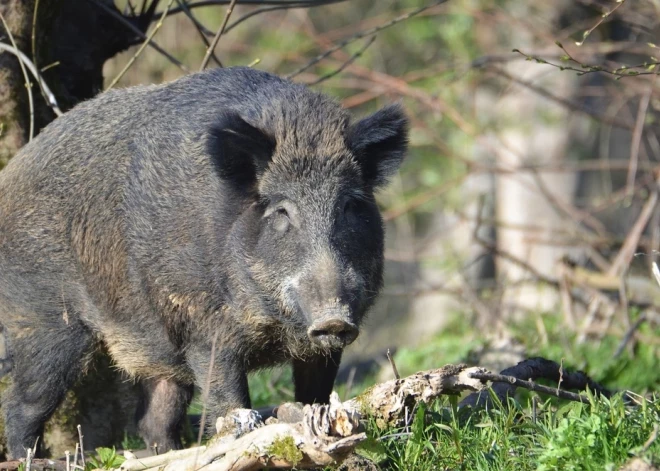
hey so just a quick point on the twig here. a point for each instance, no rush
(618, 73)
(28, 85)
(34, 41)
(142, 47)
(346, 63)
(129, 8)
(629, 335)
(627, 251)
(603, 17)
(140, 464)
(636, 138)
(199, 27)
(279, 4)
(34, 447)
(48, 95)
(75, 455)
(217, 37)
(656, 273)
(562, 101)
(577, 215)
(258, 11)
(28, 459)
(532, 386)
(561, 374)
(391, 360)
(207, 389)
(496, 251)
(141, 34)
(363, 34)
(82, 449)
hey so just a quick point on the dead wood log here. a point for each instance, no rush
(310, 436)
(387, 402)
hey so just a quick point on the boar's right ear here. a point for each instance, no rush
(379, 142)
(239, 151)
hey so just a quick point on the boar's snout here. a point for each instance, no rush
(335, 333)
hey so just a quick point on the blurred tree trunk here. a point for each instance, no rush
(72, 40)
(530, 205)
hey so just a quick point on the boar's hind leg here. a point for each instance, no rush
(46, 363)
(313, 379)
(161, 413)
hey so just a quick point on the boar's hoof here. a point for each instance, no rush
(333, 333)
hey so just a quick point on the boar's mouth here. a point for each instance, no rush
(334, 333)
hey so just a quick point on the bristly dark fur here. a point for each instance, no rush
(216, 220)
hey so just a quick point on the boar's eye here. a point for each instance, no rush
(280, 219)
(281, 215)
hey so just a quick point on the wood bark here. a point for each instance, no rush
(304, 437)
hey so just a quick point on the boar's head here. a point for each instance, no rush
(307, 246)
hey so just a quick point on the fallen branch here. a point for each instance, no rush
(387, 402)
(523, 375)
(310, 436)
(325, 435)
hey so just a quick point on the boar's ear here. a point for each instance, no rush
(239, 151)
(379, 142)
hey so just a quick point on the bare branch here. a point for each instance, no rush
(47, 94)
(203, 32)
(218, 35)
(637, 134)
(141, 34)
(346, 63)
(142, 48)
(531, 369)
(363, 34)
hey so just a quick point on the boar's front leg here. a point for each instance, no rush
(314, 378)
(161, 413)
(227, 384)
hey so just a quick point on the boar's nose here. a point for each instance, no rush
(334, 333)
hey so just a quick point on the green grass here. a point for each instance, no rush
(600, 435)
(554, 434)
(105, 458)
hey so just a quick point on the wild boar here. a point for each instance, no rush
(214, 225)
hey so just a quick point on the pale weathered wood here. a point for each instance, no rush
(322, 435)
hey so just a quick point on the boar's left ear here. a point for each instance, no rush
(379, 143)
(239, 151)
